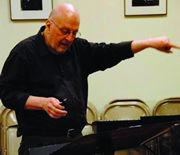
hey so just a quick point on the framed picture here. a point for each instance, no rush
(30, 9)
(145, 7)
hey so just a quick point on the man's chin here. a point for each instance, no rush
(61, 51)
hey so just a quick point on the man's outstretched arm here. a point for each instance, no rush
(161, 43)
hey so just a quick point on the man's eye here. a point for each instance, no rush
(65, 31)
(74, 33)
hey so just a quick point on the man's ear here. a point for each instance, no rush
(48, 26)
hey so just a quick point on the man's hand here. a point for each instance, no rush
(54, 108)
(51, 105)
(160, 43)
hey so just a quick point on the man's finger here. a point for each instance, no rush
(174, 46)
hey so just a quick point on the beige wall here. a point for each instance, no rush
(150, 75)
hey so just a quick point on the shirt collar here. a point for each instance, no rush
(43, 49)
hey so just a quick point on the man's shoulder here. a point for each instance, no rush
(28, 41)
(26, 44)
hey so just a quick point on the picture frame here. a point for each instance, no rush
(145, 7)
(30, 9)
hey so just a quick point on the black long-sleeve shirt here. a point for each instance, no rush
(31, 69)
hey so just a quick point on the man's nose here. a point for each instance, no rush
(70, 37)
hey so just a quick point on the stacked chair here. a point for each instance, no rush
(126, 109)
(91, 115)
(8, 130)
(168, 106)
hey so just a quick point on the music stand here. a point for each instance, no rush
(110, 141)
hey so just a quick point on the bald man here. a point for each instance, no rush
(44, 79)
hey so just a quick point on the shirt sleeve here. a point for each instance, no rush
(13, 91)
(100, 56)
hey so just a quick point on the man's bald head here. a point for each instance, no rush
(65, 10)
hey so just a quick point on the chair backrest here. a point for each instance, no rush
(9, 141)
(91, 114)
(126, 109)
(127, 100)
(2, 110)
(168, 106)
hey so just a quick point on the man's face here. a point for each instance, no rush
(61, 34)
